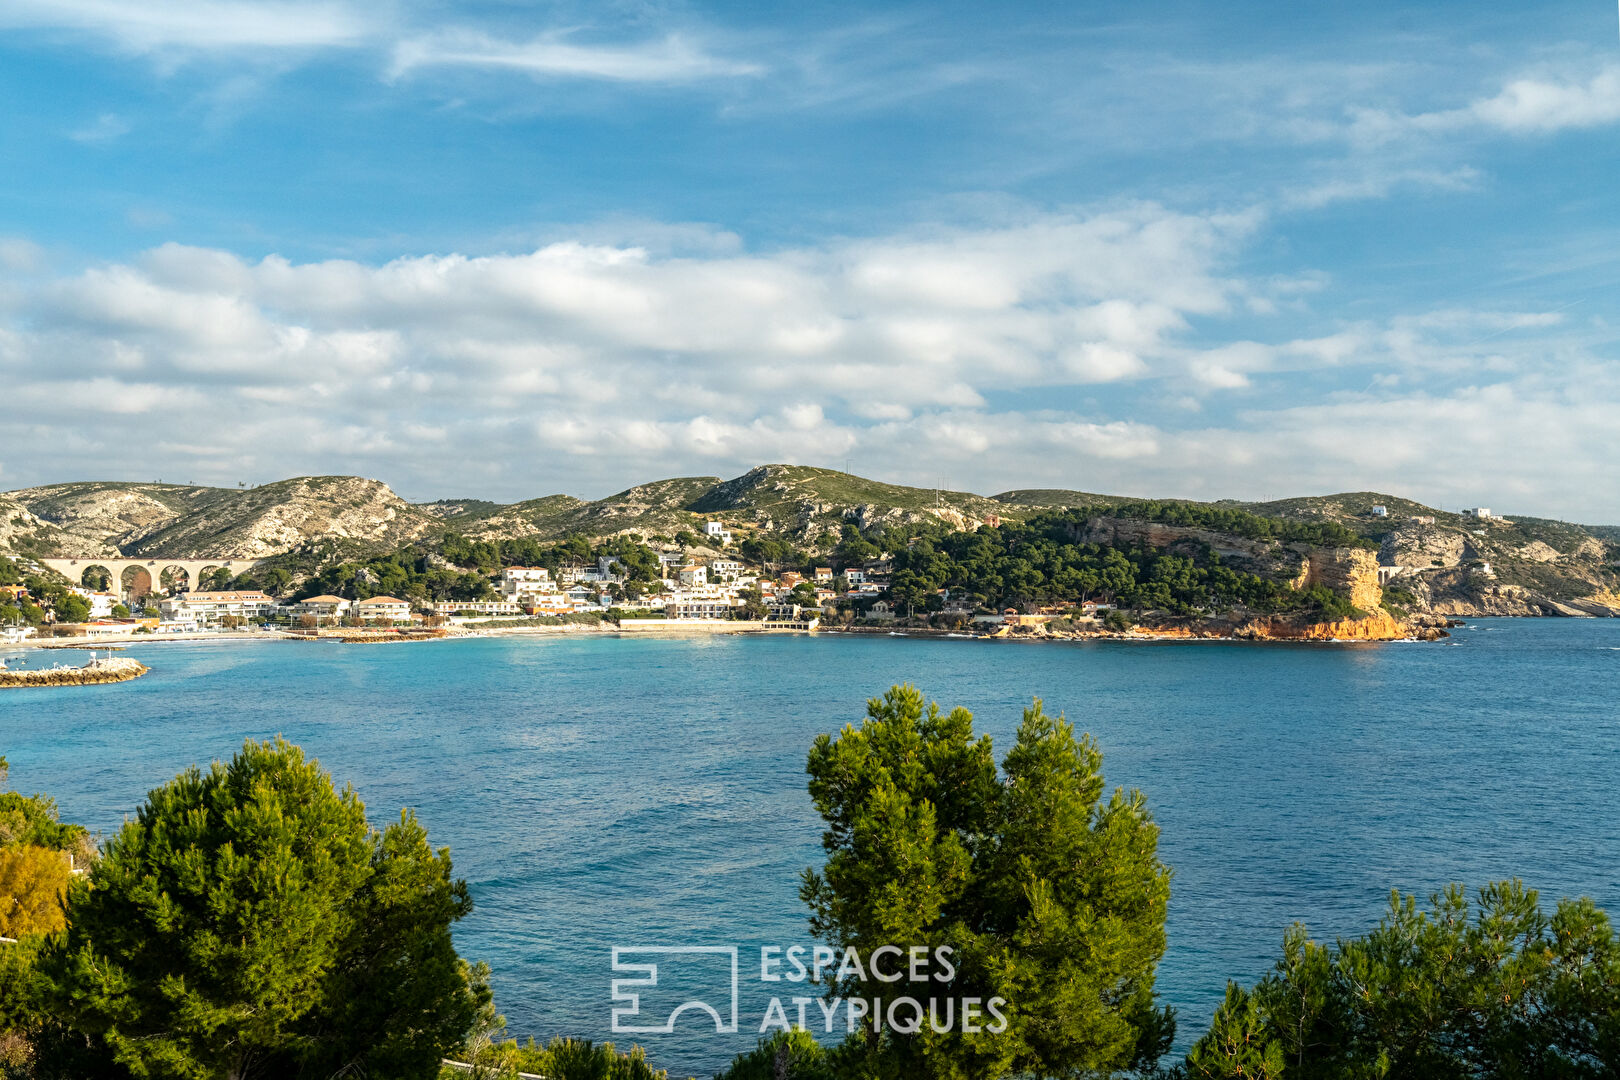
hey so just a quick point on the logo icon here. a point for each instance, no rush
(685, 968)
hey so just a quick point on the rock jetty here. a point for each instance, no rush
(111, 670)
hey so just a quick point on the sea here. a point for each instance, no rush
(608, 797)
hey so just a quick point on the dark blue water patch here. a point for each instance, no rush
(600, 791)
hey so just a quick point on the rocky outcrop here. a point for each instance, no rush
(1423, 547)
(1350, 571)
(1378, 626)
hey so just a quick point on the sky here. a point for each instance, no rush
(500, 250)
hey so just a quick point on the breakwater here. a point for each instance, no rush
(111, 670)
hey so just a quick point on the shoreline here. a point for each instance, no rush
(1244, 633)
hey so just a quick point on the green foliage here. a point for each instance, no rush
(1051, 897)
(1498, 992)
(217, 578)
(770, 552)
(404, 574)
(1232, 522)
(753, 605)
(560, 1059)
(1040, 561)
(9, 574)
(119, 611)
(853, 549)
(1117, 621)
(1399, 597)
(24, 613)
(33, 820)
(784, 1055)
(1328, 604)
(249, 922)
(71, 607)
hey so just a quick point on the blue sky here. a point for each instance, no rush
(506, 249)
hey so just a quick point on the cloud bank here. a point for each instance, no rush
(1093, 350)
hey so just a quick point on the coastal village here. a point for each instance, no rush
(1347, 567)
(718, 587)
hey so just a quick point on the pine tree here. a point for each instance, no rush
(1050, 898)
(248, 923)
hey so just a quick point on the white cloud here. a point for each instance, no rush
(671, 59)
(194, 24)
(172, 31)
(1537, 106)
(1375, 183)
(1054, 350)
(1531, 105)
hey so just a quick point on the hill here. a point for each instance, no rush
(801, 501)
(783, 500)
(199, 522)
(1439, 562)
(1059, 499)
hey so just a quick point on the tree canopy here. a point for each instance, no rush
(1497, 990)
(1050, 896)
(249, 923)
(1042, 561)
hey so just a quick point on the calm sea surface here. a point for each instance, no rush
(599, 791)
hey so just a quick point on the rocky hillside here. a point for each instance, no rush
(783, 500)
(804, 502)
(26, 534)
(1455, 565)
(1441, 563)
(197, 522)
(661, 507)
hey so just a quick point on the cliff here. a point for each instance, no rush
(1351, 571)
(1378, 626)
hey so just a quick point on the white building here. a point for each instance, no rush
(725, 568)
(1481, 512)
(210, 609)
(1380, 511)
(531, 589)
(700, 607)
(714, 530)
(855, 575)
(692, 574)
(476, 607)
(324, 608)
(101, 603)
(385, 608)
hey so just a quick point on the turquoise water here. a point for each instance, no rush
(600, 791)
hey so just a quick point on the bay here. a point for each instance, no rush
(600, 791)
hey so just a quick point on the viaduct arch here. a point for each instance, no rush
(187, 571)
